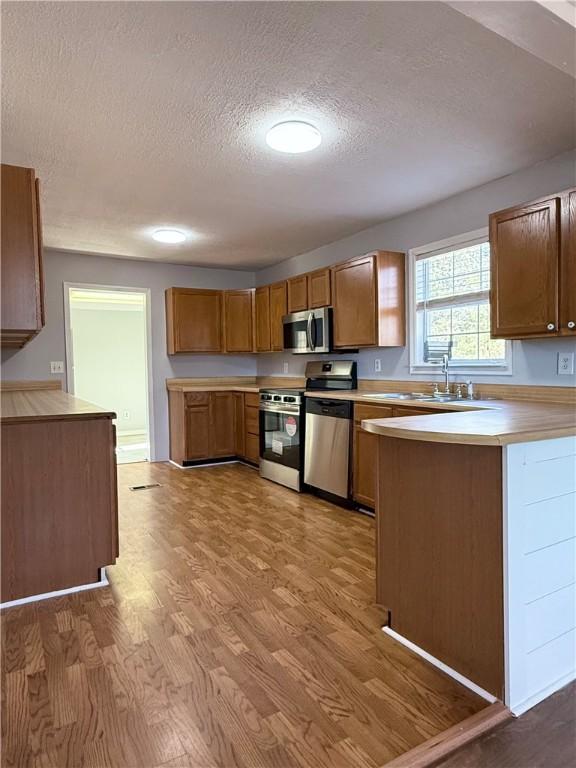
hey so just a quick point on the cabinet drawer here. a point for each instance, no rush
(251, 420)
(253, 448)
(362, 411)
(196, 398)
(252, 399)
(401, 411)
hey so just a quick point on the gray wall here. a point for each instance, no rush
(534, 362)
(33, 361)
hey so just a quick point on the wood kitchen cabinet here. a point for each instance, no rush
(368, 295)
(319, 292)
(278, 308)
(214, 425)
(533, 272)
(193, 320)
(297, 293)
(309, 291)
(239, 320)
(365, 447)
(21, 269)
(262, 319)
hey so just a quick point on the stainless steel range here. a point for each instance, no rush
(282, 436)
(283, 425)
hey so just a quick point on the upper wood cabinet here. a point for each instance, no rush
(193, 320)
(239, 320)
(568, 264)
(319, 293)
(524, 248)
(262, 319)
(278, 308)
(309, 291)
(297, 293)
(368, 295)
(22, 279)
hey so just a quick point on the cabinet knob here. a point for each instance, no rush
(571, 324)
(550, 326)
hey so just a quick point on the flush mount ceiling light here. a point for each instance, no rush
(294, 137)
(171, 236)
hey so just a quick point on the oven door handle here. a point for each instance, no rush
(295, 412)
(311, 344)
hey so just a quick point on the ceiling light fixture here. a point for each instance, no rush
(294, 137)
(171, 236)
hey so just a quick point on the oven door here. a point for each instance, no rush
(281, 438)
(309, 331)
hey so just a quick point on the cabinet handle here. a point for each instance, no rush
(551, 326)
(571, 324)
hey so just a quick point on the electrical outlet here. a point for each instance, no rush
(125, 414)
(57, 367)
(285, 367)
(566, 363)
(378, 365)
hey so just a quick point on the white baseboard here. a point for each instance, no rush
(440, 664)
(536, 698)
(210, 464)
(59, 592)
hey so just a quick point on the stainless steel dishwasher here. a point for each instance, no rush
(327, 447)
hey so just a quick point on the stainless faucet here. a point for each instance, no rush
(445, 371)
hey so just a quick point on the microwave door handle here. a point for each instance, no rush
(309, 331)
(313, 331)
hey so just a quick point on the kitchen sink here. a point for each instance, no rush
(418, 396)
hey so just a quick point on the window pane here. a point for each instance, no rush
(467, 260)
(465, 347)
(439, 322)
(491, 349)
(484, 317)
(465, 319)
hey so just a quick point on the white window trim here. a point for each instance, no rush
(416, 366)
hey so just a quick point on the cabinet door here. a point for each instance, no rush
(319, 288)
(239, 442)
(524, 245)
(238, 320)
(568, 265)
(364, 474)
(253, 448)
(365, 453)
(22, 289)
(193, 320)
(278, 308)
(197, 433)
(401, 411)
(222, 424)
(354, 295)
(262, 311)
(298, 293)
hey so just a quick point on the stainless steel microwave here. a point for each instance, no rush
(308, 331)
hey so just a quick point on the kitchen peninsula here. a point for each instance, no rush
(476, 547)
(59, 505)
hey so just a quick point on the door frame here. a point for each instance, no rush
(67, 287)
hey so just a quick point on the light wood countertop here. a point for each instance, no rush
(491, 422)
(46, 405)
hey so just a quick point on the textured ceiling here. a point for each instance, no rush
(138, 115)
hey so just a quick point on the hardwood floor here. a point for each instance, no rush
(239, 630)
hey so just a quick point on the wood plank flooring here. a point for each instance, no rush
(239, 631)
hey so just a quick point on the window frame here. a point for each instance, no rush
(417, 365)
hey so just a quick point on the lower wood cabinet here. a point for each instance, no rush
(213, 425)
(365, 447)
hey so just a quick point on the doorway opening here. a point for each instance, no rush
(108, 359)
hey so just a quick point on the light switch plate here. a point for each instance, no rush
(378, 365)
(285, 367)
(57, 367)
(566, 363)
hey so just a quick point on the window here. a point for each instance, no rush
(451, 304)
